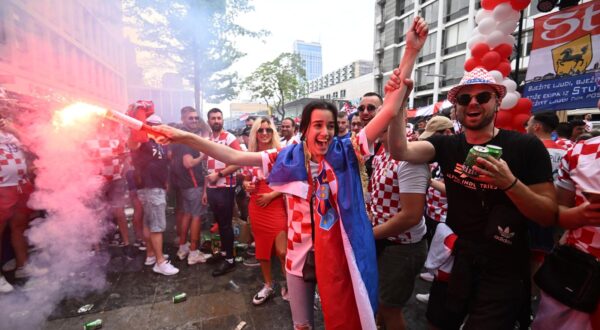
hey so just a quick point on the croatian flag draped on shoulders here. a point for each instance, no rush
(346, 264)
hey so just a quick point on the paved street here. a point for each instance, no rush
(137, 298)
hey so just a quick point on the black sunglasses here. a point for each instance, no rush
(482, 98)
(370, 108)
(265, 130)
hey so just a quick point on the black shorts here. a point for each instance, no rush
(495, 303)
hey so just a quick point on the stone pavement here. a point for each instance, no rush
(138, 298)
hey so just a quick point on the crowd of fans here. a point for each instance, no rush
(369, 198)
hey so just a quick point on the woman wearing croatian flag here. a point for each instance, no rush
(323, 188)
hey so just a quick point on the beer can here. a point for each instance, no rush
(181, 297)
(476, 151)
(93, 325)
(494, 151)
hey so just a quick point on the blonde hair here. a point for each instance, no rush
(253, 142)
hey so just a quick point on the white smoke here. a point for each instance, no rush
(67, 187)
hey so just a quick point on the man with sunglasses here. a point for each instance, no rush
(369, 104)
(188, 169)
(488, 211)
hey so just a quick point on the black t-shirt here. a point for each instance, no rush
(151, 165)
(482, 213)
(182, 177)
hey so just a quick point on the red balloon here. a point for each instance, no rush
(504, 68)
(471, 64)
(491, 60)
(503, 119)
(518, 121)
(490, 4)
(524, 105)
(505, 50)
(480, 49)
(519, 4)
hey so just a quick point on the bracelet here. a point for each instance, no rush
(511, 185)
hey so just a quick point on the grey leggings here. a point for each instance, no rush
(302, 298)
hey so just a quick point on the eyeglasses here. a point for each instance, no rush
(370, 108)
(482, 98)
(194, 118)
(265, 130)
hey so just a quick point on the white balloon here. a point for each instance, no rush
(486, 26)
(503, 12)
(481, 14)
(475, 38)
(507, 27)
(510, 85)
(497, 75)
(509, 101)
(509, 39)
(517, 94)
(495, 38)
(514, 16)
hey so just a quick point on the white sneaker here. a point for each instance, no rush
(152, 260)
(5, 287)
(427, 277)
(10, 265)
(284, 293)
(30, 271)
(196, 256)
(423, 297)
(183, 251)
(165, 268)
(263, 295)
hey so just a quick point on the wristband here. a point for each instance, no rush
(511, 185)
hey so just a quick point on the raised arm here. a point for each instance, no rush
(415, 39)
(400, 148)
(221, 152)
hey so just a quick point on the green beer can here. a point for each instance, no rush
(476, 151)
(93, 325)
(494, 151)
(181, 297)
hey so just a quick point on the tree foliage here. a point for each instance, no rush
(277, 82)
(194, 36)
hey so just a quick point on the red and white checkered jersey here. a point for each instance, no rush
(391, 178)
(580, 171)
(436, 201)
(294, 140)
(111, 152)
(556, 154)
(299, 239)
(13, 165)
(565, 143)
(214, 165)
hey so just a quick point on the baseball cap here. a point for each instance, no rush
(435, 124)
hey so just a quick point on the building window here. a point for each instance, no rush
(452, 69)
(424, 79)
(2, 26)
(456, 9)
(403, 26)
(430, 14)
(455, 37)
(428, 51)
(328, 96)
(404, 6)
(343, 93)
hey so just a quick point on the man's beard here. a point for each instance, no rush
(484, 121)
(216, 127)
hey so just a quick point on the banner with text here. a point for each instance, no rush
(564, 63)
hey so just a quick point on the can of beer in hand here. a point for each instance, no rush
(476, 151)
(181, 297)
(93, 325)
(494, 151)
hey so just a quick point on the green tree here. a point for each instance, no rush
(277, 82)
(194, 36)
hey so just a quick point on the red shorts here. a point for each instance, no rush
(14, 199)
